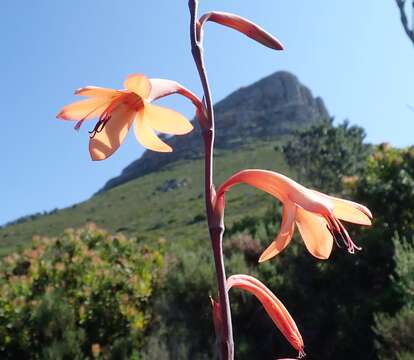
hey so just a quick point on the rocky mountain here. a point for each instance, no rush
(269, 108)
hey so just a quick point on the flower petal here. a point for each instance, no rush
(139, 84)
(285, 235)
(349, 210)
(166, 120)
(146, 136)
(344, 211)
(313, 228)
(95, 91)
(107, 141)
(84, 109)
(273, 306)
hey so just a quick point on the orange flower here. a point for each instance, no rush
(118, 109)
(317, 215)
(273, 306)
(242, 25)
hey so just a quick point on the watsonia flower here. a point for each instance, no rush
(116, 110)
(317, 215)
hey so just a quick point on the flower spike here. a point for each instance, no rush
(273, 306)
(316, 215)
(242, 25)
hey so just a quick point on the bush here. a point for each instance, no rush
(395, 332)
(324, 154)
(83, 295)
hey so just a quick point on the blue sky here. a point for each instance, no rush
(352, 53)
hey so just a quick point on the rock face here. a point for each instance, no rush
(270, 108)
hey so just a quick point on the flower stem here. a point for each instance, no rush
(214, 220)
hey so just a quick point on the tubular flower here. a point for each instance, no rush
(242, 25)
(316, 215)
(116, 110)
(273, 306)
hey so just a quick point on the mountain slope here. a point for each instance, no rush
(173, 198)
(266, 110)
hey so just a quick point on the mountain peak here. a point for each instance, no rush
(267, 109)
(280, 89)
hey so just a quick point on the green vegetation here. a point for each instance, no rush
(176, 213)
(351, 306)
(323, 154)
(83, 295)
(395, 332)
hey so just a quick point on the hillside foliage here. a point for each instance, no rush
(82, 295)
(350, 306)
(323, 154)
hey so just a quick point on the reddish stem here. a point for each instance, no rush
(215, 220)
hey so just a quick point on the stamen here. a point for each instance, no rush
(99, 126)
(133, 101)
(339, 232)
(301, 354)
(80, 122)
(334, 237)
(103, 119)
(351, 245)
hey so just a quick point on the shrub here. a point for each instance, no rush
(395, 332)
(83, 295)
(323, 154)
